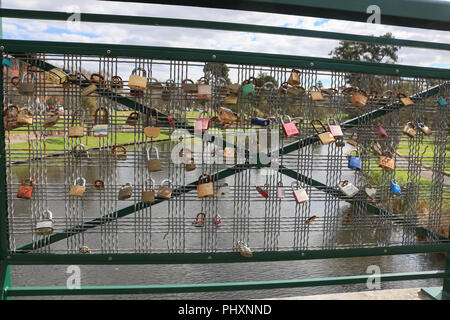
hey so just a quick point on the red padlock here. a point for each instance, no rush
(289, 128)
(264, 192)
(26, 191)
(334, 128)
(382, 132)
(171, 121)
(201, 124)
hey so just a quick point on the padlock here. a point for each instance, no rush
(223, 190)
(316, 94)
(97, 78)
(352, 140)
(205, 189)
(248, 87)
(150, 130)
(280, 190)
(359, 98)
(204, 91)
(44, 226)
(77, 131)
(229, 152)
(407, 102)
(340, 142)
(133, 118)
(442, 102)
(221, 87)
(217, 220)
(410, 129)
(201, 123)
(27, 88)
(99, 184)
(10, 118)
(354, 162)
(148, 193)
(188, 159)
(51, 119)
(226, 116)
(230, 100)
(170, 120)
(136, 82)
(200, 220)
(348, 188)
(300, 194)
(153, 165)
(116, 82)
(167, 90)
(325, 136)
(334, 128)
(15, 81)
(370, 191)
(189, 86)
(376, 148)
(56, 76)
(289, 128)
(260, 121)
(85, 250)
(25, 117)
(426, 130)
(26, 189)
(77, 190)
(264, 191)
(119, 152)
(101, 130)
(244, 250)
(382, 132)
(165, 192)
(88, 90)
(294, 78)
(395, 189)
(329, 91)
(295, 91)
(79, 151)
(387, 163)
(125, 191)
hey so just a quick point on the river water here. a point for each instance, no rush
(232, 272)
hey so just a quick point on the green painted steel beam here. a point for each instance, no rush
(221, 56)
(5, 279)
(213, 25)
(4, 241)
(214, 287)
(217, 257)
(424, 14)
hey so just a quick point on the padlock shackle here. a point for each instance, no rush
(203, 80)
(296, 184)
(186, 80)
(269, 86)
(296, 71)
(83, 180)
(329, 91)
(99, 76)
(206, 176)
(151, 113)
(152, 184)
(99, 183)
(201, 214)
(134, 115)
(354, 150)
(314, 127)
(169, 183)
(118, 146)
(314, 87)
(335, 123)
(117, 80)
(348, 91)
(144, 72)
(401, 95)
(385, 153)
(27, 180)
(411, 123)
(33, 77)
(105, 116)
(47, 214)
(203, 112)
(81, 119)
(75, 147)
(149, 152)
(282, 117)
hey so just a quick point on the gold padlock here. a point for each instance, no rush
(352, 140)
(77, 190)
(25, 117)
(359, 97)
(387, 163)
(189, 86)
(165, 192)
(56, 76)
(136, 82)
(316, 94)
(294, 78)
(410, 129)
(407, 102)
(150, 130)
(148, 193)
(230, 100)
(205, 189)
(52, 119)
(325, 137)
(89, 89)
(125, 191)
(153, 165)
(77, 131)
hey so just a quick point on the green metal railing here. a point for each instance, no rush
(10, 258)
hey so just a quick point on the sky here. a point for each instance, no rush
(209, 39)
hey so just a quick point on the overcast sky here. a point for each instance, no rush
(196, 38)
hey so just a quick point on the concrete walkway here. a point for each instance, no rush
(391, 294)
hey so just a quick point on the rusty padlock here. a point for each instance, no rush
(410, 129)
(200, 220)
(299, 194)
(352, 140)
(387, 163)
(205, 189)
(25, 190)
(10, 118)
(132, 119)
(153, 165)
(116, 82)
(77, 190)
(189, 86)
(148, 193)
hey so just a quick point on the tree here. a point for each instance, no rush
(263, 78)
(216, 70)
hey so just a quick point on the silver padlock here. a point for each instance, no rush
(244, 250)
(370, 191)
(79, 151)
(27, 88)
(223, 190)
(44, 226)
(348, 188)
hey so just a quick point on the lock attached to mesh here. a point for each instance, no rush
(353, 141)
(200, 220)
(202, 123)
(25, 117)
(348, 188)
(150, 130)
(153, 165)
(442, 102)
(425, 129)
(325, 137)
(354, 162)
(248, 87)
(244, 249)
(334, 128)
(77, 190)
(204, 91)
(148, 193)
(299, 193)
(79, 151)
(264, 191)
(44, 226)
(137, 83)
(25, 190)
(316, 94)
(280, 190)
(387, 162)
(26, 87)
(189, 86)
(77, 131)
(101, 130)
(205, 189)
(359, 97)
(407, 102)
(410, 129)
(294, 78)
(223, 190)
(119, 152)
(165, 192)
(125, 191)
(382, 132)
(289, 128)
(395, 188)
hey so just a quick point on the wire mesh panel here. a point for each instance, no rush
(93, 145)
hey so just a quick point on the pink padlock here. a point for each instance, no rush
(334, 128)
(289, 128)
(382, 132)
(201, 124)
(280, 190)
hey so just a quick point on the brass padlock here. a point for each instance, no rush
(387, 163)
(295, 91)
(407, 102)
(352, 140)
(205, 189)
(229, 152)
(230, 100)
(165, 192)
(56, 76)
(244, 250)
(133, 118)
(316, 94)
(79, 151)
(153, 165)
(188, 159)
(150, 130)
(148, 193)
(325, 136)
(136, 82)
(44, 224)
(426, 130)
(89, 89)
(125, 191)
(119, 152)
(359, 97)
(300, 194)
(294, 78)
(189, 86)
(101, 130)
(77, 190)
(10, 118)
(27, 88)
(204, 89)
(51, 119)
(25, 117)
(410, 129)
(77, 131)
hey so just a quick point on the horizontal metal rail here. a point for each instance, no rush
(214, 287)
(213, 25)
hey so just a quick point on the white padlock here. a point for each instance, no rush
(348, 188)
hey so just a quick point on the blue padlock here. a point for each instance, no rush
(260, 121)
(354, 162)
(442, 102)
(395, 188)
(6, 63)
